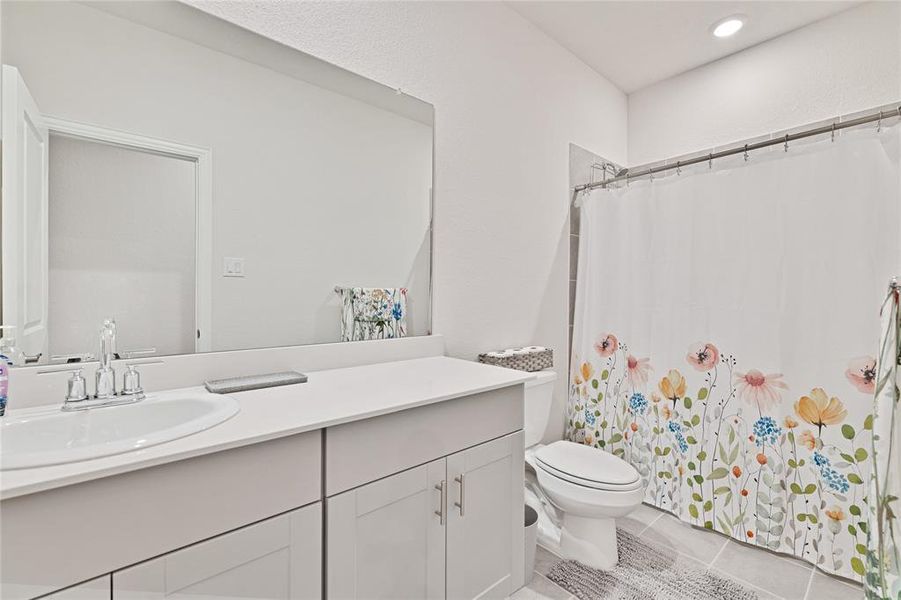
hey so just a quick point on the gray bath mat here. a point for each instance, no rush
(646, 572)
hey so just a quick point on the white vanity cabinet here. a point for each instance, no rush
(418, 496)
(275, 559)
(447, 529)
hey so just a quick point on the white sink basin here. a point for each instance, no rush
(41, 438)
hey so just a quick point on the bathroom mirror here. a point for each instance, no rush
(208, 188)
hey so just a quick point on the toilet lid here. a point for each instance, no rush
(587, 466)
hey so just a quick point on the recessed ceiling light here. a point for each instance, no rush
(728, 26)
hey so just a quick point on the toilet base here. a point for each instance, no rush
(589, 540)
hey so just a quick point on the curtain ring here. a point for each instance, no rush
(833, 131)
(786, 142)
(746, 153)
(710, 160)
(879, 123)
(678, 167)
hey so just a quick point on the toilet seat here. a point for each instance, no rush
(587, 467)
(594, 485)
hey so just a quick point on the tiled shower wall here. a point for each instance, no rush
(584, 166)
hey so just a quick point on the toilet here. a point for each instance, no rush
(587, 488)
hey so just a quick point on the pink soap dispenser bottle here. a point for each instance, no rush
(4, 384)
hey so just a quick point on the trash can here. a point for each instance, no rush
(531, 539)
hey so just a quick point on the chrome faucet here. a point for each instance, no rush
(104, 379)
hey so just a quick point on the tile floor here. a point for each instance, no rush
(773, 576)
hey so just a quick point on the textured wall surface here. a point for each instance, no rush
(846, 63)
(508, 102)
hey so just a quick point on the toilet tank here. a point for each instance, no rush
(539, 397)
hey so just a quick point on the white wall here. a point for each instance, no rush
(122, 228)
(846, 63)
(312, 188)
(508, 102)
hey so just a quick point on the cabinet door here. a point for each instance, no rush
(276, 559)
(386, 538)
(485, 520)
(95, 589)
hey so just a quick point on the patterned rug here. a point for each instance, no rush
(646, 572)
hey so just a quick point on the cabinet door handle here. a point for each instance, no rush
(442, 507)
(461, 479)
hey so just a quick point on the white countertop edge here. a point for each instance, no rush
(91, 470)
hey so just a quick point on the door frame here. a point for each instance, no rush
(21, 109)
(203, 195)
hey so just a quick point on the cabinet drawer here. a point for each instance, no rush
(277, 558)
(363, 451)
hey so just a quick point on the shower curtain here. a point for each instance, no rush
(883, 580)
(725, 335)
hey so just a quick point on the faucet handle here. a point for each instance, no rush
(78, 387)
(131, 384)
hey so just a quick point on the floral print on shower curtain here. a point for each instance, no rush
(715, 446)
(883, 578)
(725, 342)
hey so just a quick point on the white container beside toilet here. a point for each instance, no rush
(588, 487)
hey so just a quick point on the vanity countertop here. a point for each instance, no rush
(329, 398)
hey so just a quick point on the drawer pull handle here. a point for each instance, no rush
(461, 479)
(442, 507)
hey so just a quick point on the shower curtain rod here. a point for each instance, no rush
(785, 139)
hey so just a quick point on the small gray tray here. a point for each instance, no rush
(254, 382)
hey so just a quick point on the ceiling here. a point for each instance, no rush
(635, 44)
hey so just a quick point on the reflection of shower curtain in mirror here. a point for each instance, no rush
(372, 313)
(725, 332)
